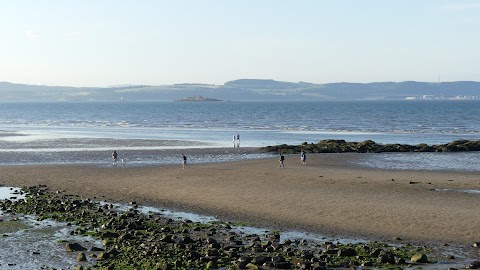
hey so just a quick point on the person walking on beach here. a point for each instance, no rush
(238, 140)
(281, 160)
(184, 161)
(303, 157)
(234, 141)
(114, 158)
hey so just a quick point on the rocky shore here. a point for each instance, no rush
(369, 146)
(132, 240)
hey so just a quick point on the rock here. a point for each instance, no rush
(71, 247)
(106, 235)
(94, 249)
(419, 258)
(347, 252)
(376, 252)
(103, 255)
(259, 260)
(163, 266)
(244, 259)
(193, 255)
(307, 254)
(366, 146)
(211, 265)
(251, 266)
(367, 264)
(318, 266)
(237, 266)
(282, 265)
(113, 252)
(107, 242)
(212, 252)
(81, 257)
(278, 259)
(186, 240)
(331, 251)
(387, 257)
(474, 265)
(168, 238)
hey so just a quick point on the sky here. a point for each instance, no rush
(156, 42)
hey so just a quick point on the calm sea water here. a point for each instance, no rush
(57, 132)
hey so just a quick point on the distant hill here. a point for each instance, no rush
(247, 89)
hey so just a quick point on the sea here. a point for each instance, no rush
(140, 131)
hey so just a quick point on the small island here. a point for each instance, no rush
(197, 98)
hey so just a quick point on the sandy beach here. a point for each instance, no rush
(327, 196)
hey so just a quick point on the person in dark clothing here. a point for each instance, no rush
(114, 158)
(281, 160)
(184, 161)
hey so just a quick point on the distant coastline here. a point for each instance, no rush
(197, 98)
(249, 90)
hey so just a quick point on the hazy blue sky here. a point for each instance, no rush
(110, 42)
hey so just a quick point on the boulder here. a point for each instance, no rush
(251, 266)
(71, 247)
(474, 265)
(366, 146)
(94, 249)
(107, 235)
(211, 265)
(386, 257)
(103, 256)
(81, 257)
(347, 252)
(419, 258)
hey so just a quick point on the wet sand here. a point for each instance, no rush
(328, 196)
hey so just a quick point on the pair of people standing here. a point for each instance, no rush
(236, 140)
(303, 157)
(115, 158)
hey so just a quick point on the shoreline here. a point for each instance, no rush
(329, 196)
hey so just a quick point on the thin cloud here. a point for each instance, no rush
(459, 7)
(32, 34)
(74, 34)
